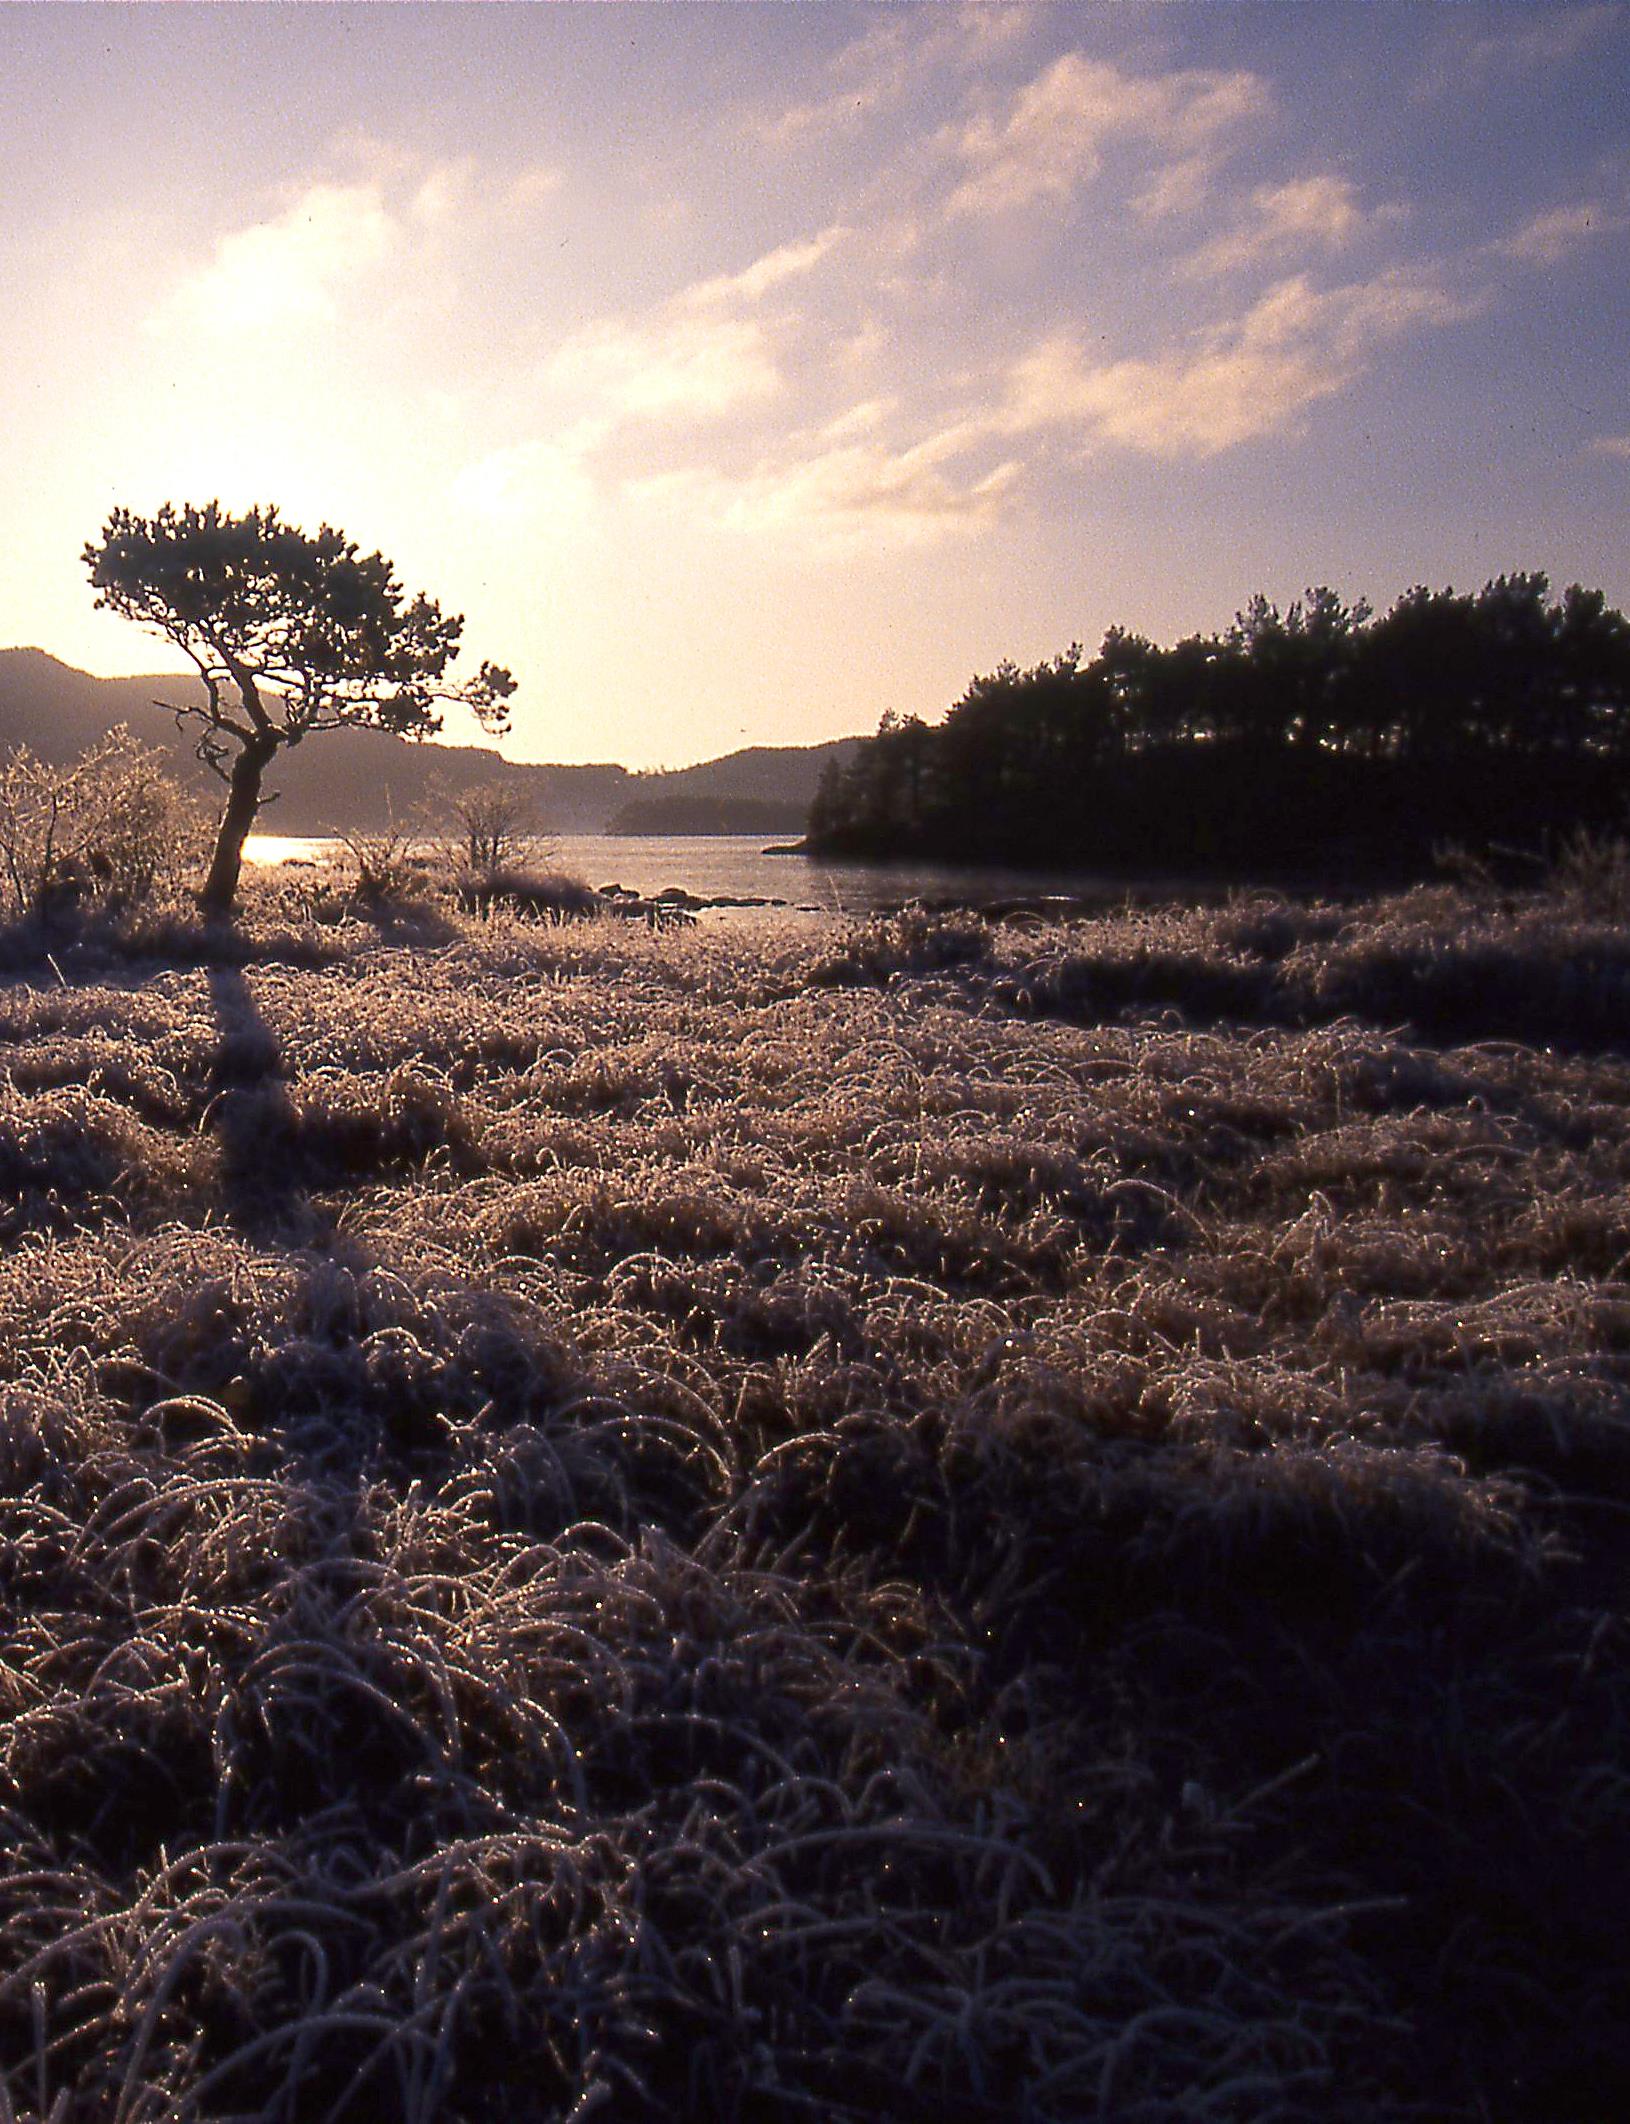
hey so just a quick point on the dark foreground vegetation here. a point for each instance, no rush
(951, 1523)
(1319, 742)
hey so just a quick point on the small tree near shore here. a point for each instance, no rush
(291, 634)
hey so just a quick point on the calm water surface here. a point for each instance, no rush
(735, 866)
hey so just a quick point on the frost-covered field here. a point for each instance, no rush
(959, 1523)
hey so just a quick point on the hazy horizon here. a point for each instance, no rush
(742, 373)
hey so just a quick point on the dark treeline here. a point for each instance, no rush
(1317, 740)
(696, 812)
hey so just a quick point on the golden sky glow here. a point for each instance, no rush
(744, 372)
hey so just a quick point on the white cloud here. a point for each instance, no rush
(293, 268)
(626, 391)
(544, 483)
(529, 187)
(1237, 381)
(692, 356)
(287, 270)
(1052, 136)
(847, 494)
(1305, 213)
(676, 364)
(445, 194)
(867, 76)
(1611, 446)
(880, 68)
(788, 262)
(464, 198)
(1177, 190)
(1548, 238)
(862, 418)
(1480, 45)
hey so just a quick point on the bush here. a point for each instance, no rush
(108, 831)
(489, 828)
(1591, 875)
(541, 896)
(384, 862)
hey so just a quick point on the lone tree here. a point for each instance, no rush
(291, 634)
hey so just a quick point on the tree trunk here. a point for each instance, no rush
(243, 801)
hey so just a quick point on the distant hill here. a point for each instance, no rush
(679, 813)
(771, 774)
(764, 789)
(356, 779)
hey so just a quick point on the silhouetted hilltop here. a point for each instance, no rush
(57, 711)
(357, 778)
(763, 789)
(770, 774)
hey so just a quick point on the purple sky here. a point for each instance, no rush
(742, 372)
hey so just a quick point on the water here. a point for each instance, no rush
(734, 866)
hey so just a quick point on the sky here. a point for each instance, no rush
(741, 373)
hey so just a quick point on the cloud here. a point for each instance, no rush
(675, 364)
(286, 271)
(881, 67)
(864, 417)
(692, 356)
(293, 268)
(1553, 38)
(1509, 43)
(529, 187)
(445, 194)
(1550, 237)
(461, 197)
(1305, 213)
(1611, 446)
(1179, 189)
(868, 75)
(845, 494)
(788, 262)
(1052, 136)
(544, 483)
(630, 390)
(1235, 382)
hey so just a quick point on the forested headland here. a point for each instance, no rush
(1322, 740)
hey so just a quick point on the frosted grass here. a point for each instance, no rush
(961, 1521)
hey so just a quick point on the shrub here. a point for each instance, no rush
(1591, 874)
(384, 861)
(488, 828)
(543, 896)
(107, 831)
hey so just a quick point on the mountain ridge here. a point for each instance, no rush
(358, 780)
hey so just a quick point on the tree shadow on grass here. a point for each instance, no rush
(254, 1120)
(276, 1163)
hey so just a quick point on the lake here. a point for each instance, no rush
(734, 866)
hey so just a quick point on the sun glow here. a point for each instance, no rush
(882, 348)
